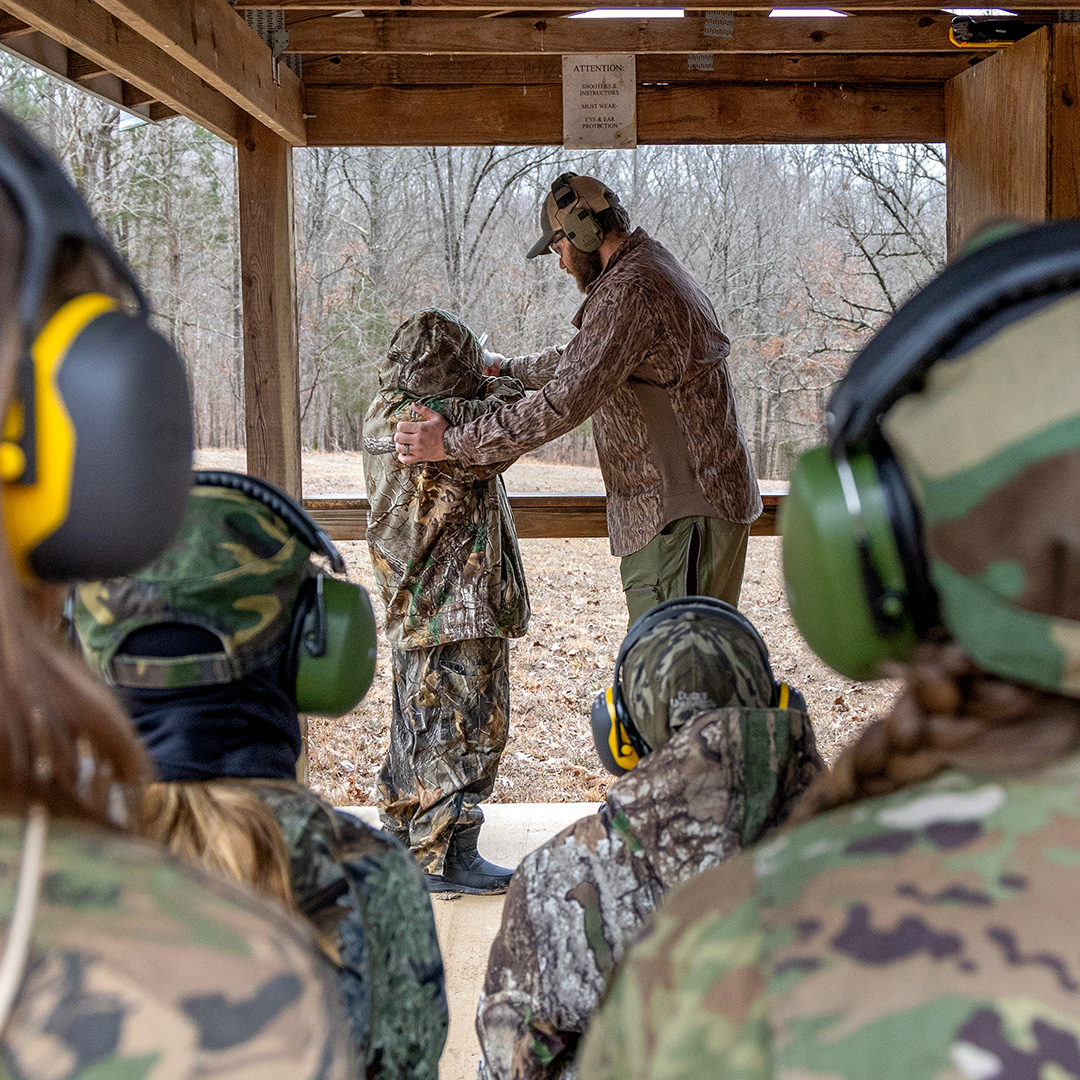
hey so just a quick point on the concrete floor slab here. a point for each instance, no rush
(467, 925)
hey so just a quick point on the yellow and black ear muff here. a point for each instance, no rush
(330, 658)
(95, 458)
(618, 745)
(854, 562)
(579, 223)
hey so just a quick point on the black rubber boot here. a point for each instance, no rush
(466, 870)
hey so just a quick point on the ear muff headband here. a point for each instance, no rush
(580, 223)
(995, 282)
(615, 734)
(292, 513)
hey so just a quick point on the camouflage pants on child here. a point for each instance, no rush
(451, 716)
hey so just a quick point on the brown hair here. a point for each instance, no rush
(64, 741)
(225, 827)
(951, 714)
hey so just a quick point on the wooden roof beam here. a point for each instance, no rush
(85, 28)
(482, 115)
(214, 43)
(322, 6)
(518, 36)
(516, 71)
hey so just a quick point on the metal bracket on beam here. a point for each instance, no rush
(269, 24)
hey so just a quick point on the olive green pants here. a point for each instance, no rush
(692, 556)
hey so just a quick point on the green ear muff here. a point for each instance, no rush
(335, 647)
(843, 571)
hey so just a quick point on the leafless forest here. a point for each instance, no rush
(803, 250)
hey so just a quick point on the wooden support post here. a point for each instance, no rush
(1012, 132)
(268, 279)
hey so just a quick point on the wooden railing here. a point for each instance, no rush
(536, 516)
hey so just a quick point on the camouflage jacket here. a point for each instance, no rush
(645, 327)
(366, 896)
(924, 935)
(144, 967)
(442, 540)
(576, 903)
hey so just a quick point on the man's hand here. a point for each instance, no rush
(421, 440)
(493, 363)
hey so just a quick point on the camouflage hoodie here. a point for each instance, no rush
(577, 903)
(441, 536)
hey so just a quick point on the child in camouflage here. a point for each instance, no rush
(445, 556)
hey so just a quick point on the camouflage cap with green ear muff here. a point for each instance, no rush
(690, 662)
(433, 354)
(990, 448)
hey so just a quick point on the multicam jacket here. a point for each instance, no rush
(144, 967)
(925, 935)
(576, 903)
(645, 324)
(365, 895)
(442, 540)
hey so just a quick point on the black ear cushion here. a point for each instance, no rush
(997, 282)
(700, 605)
(290, 662)
(286, 508)
(906, 523)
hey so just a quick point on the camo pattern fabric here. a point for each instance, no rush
(645, 328)
(365, 896)
(235, 569)
(451, 717)
(925, 935)
(689, 661)
(578, 902)
(144, 967)
(989, 453)
(442, 540)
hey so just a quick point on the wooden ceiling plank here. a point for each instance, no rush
(328, 6)
(753, 34)
(210, 39)
(83, 27)
(11, 27)
(482, 115)
(533, 70)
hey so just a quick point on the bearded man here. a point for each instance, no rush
(649, 365)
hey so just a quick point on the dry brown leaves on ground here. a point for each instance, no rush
(566, 658)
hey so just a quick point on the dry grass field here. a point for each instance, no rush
(578, 621)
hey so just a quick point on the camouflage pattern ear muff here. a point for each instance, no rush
(855, 564)
(579, 223)
(329, 661)
(95, 457)
(619, 743)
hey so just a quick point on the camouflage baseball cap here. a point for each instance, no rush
(433, 354)
(235, 569)
(990, 447)
(570, 197)
(691, 661)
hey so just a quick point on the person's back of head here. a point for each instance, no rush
(433, 354)
(683, 657)
(939, 530)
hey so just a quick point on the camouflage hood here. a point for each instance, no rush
(991, 450)
(690, 663)
(433, 354)
(235, 570)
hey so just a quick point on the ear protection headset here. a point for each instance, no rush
(579, 223)
(854, 561)
(329, 661)
(95, 457)
(618, 741)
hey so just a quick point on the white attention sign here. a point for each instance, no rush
(599, 101)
